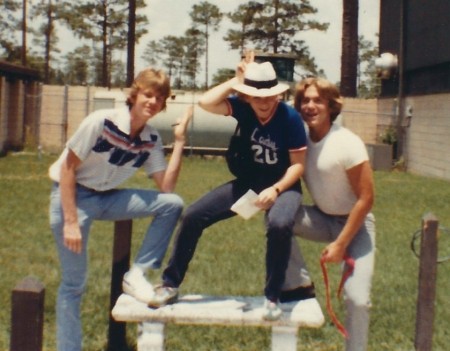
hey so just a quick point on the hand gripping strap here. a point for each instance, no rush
(350, 266)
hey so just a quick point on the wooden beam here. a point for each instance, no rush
(120, 265)
(27, 316)
(427, 284)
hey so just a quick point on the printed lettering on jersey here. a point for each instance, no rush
(265, 150)
(121, 150)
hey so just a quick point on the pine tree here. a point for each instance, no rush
(275, 26)
(208, 16)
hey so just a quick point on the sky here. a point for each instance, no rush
(171, 17)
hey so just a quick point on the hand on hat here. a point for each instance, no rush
(248, 58)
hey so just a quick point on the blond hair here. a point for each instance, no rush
(150, 78)
(326, 90)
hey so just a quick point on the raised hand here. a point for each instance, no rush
(248, 58)
(180, 127)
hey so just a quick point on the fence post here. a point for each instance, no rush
(27, 315)
(120, 265)
(427, 284)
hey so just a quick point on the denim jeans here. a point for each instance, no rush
(214, 207)
(313, 224)
(119, 204)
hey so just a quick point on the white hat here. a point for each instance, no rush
(260, 80)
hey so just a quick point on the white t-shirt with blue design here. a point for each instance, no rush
(108, 155)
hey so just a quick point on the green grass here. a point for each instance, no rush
(229, 260)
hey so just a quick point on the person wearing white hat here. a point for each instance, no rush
(277, 141)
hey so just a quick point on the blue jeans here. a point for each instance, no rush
(119, 204)
(214, 207)
(313, 224)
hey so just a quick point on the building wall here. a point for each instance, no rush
(426, 136)
(15, 114)
(19, 114)
(63, 109)
(426, 143)
(361, 116)
(53, 111)
(428, 148)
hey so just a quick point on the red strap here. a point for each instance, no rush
(350, 265)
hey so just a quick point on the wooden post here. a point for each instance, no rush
(27, 315)
(120, 265)
(427, 284)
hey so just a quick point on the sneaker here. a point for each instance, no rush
(164, 295)
(135, 284)
(298, 294)
(271, 311)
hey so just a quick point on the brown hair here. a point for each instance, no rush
(326, 90)
(150, 78)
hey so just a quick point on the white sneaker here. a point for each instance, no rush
(164, 295)
(271, 311)
(308, 313)
(135, 284)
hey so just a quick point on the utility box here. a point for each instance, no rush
(380, 156)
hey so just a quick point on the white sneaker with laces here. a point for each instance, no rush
(164, 295)
(271, 311)
(135, 284)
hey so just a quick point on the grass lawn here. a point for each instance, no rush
(229, 261)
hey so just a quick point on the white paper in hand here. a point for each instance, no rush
(245, 206)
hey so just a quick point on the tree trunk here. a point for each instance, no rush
(48, 38)
(206, 56)
(349, 58)
(24, 34)
(131, 42)
(105, 60)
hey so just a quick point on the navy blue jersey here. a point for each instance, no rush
(272, 141)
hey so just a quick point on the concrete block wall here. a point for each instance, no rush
(426, 136)
(63, 109)
(78, 102)
(428, 141)
(53, 127)
(360, 116)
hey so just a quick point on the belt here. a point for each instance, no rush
(91, 190)
(56, 184)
